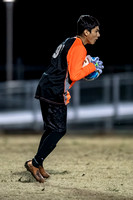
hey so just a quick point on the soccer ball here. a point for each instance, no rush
(92, 76)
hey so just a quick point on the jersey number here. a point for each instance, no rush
(58, 50)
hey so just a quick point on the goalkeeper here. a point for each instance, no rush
(69, 63)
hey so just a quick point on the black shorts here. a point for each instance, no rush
(54, 116)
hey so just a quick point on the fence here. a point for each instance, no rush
(108, 99)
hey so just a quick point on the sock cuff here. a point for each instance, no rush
(35, 163)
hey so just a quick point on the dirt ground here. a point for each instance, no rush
(81, 168)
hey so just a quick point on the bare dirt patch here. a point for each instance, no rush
(81, 167)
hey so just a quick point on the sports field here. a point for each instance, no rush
(81, 168)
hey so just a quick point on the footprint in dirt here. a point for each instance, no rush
(23, 177)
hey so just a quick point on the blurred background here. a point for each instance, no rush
(30, 31)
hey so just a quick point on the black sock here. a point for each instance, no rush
(45, 134)
(47, 146)
(35, 163)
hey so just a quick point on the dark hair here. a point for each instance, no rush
(86, 22)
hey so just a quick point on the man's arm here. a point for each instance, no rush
(75, 59)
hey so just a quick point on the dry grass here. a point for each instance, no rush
(81, 168)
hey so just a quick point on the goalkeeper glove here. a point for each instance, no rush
(99, 66)
(98, 63)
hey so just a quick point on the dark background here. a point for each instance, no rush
(39, 26)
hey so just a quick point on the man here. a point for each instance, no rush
(68, 65)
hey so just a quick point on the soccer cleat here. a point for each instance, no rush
(43, 172)
(34, 171)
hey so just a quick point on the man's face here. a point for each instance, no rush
(93, 35)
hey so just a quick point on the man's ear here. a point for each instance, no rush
(86, 32)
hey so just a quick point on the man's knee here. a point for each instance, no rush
(58, 135)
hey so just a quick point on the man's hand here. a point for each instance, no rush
(98, 64)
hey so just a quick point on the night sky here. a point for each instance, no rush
(39, 26)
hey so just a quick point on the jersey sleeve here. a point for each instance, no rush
(75, 59)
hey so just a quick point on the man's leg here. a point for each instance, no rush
(54, 117)
(45, 134)
(44, 111)
(38, 172)
(47, 147)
